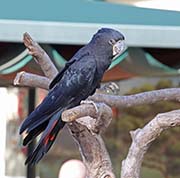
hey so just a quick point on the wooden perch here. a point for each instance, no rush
(86, 115)
(86, 124)
(40, 57)
(142, 139)
(93, 151)
(149, 97)
(32, 80)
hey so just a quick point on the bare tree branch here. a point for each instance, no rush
(138, 99)
(86, 115)
(93, 152)
(32, 80)
(150, 97)
(40, 56)
(142, 139)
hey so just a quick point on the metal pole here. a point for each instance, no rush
(31, 172)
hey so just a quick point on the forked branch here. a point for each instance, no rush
(143, 138)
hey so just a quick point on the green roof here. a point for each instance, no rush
(86, 11)
(74, 22)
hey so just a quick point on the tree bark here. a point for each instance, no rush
(143, 138)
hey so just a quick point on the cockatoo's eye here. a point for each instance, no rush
(112, 42)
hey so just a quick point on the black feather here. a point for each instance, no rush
(75, 82)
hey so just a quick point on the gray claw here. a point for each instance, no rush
(90, 102)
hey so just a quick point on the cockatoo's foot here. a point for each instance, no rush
(90, 102)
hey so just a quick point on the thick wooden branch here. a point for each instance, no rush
(93, 152)
(31, 80)
(87, 115)
(40, 56)
(138, 99)
(150, 97)
(142, 139)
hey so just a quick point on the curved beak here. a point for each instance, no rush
(118, 48)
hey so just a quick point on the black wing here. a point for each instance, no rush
(74, 86)
(61, 73)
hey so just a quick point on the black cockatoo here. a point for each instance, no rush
(79, 79)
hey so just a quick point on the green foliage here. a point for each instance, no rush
(143, 88)
(164, 84)
(164, 154)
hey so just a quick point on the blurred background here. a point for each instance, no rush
(151, 61)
